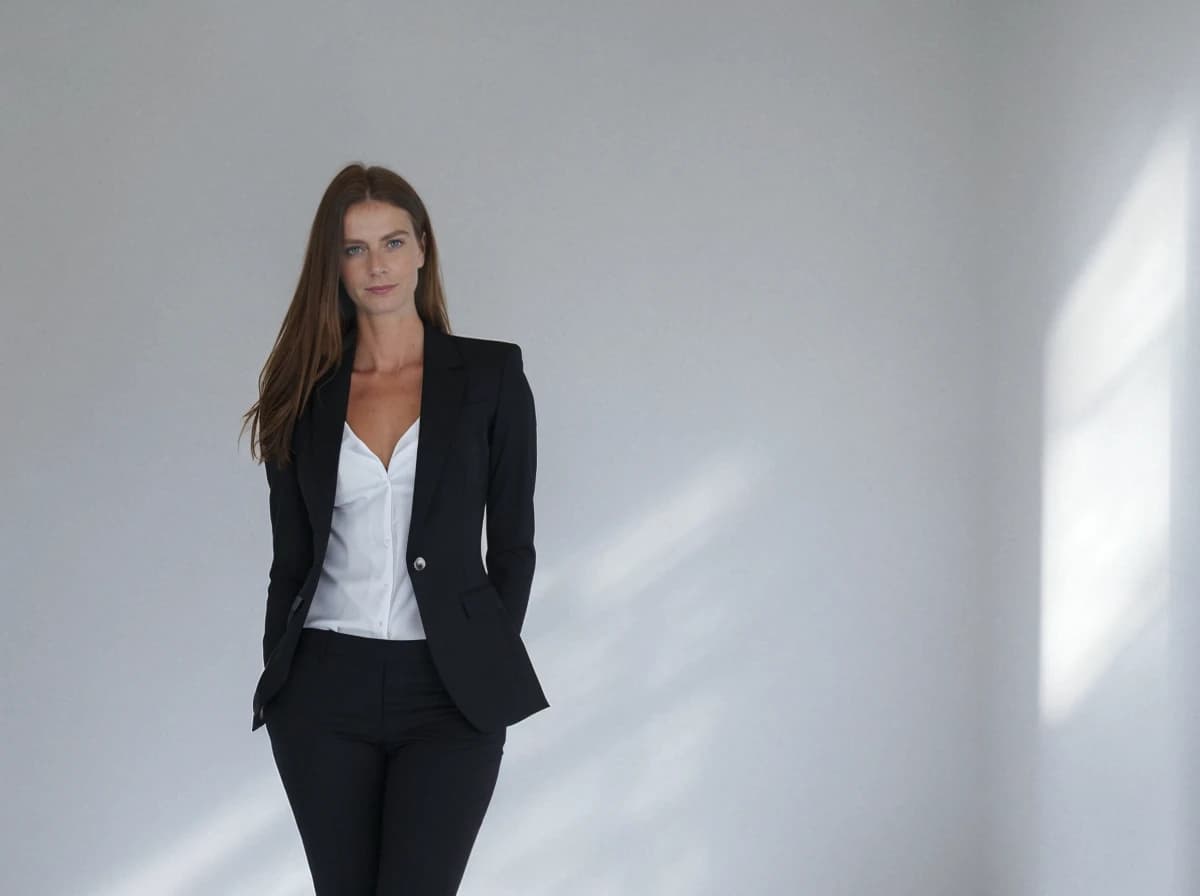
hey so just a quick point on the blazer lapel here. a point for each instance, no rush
(442, 385)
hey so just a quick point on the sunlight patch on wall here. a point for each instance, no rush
(1106, 462)
(216, 840)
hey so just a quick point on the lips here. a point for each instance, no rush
(381, 290)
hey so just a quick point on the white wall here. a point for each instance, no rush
(1088, 144)
(738, 244)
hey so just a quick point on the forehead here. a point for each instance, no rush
(365, 220)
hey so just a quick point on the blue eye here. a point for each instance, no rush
(350, 249)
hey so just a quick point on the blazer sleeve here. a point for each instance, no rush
(291, 536)
(512, 469)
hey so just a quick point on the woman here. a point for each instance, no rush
(393, 658)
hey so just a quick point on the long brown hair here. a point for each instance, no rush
(309, 342)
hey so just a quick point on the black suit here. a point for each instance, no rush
(476, 448)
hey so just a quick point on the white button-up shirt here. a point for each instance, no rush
(364, 588)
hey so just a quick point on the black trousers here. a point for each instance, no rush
(387, 780)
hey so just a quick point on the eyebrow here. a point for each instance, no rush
(382, 239)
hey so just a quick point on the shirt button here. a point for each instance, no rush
(419, 563)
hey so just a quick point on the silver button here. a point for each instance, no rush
(419, 563)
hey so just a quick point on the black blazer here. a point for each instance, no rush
(477, 448)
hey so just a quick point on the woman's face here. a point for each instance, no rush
(380, 249)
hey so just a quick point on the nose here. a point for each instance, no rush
(375, 263)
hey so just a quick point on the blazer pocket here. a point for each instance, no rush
(480, 601)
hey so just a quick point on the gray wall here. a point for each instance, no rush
(784, 276)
